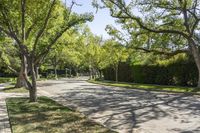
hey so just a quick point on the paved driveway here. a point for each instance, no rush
(128, 110)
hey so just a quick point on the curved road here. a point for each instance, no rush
(128, 110)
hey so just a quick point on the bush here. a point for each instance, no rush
(5, 79)
(124, 73)
(181, 72)
(51, 76)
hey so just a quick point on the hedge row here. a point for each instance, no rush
(182, 73)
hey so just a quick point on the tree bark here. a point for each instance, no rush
(195, 52)
(76, 71)
(70, 72)
(21, 82)
(100, 74)
(116, 73)
(22, 75)
(37, 72)
(90, 69)
(92, 73)
(33, 89)
(55, 72)
(31, 85)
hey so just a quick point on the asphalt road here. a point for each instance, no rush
(128, 110)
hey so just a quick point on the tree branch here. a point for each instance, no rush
(7, 65)
(122, 7)
(23, 10)
(29, 30)
(59, 34)
(10, 68)
(41, 31)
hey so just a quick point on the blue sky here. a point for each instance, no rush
(101, 18)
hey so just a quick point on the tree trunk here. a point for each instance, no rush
(197, 61)
(55, 72)
(76, 71)
(195, 52)
(90, 69)
(33, 90)
(100, 74)
(92, 73)
(37, 72)
(70, 72)
(21, 82)
(66, 74)
(31, 85)
(116, 73)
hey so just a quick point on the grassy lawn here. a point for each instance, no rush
(11, 89)
(7, 79)
(148, 86)
(47, 116)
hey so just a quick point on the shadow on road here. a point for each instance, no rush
(126, 110)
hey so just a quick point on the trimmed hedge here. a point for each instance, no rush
(124, 73)
(182, 73)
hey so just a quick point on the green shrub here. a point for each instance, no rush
(5, 79)
(51, 76)
(181, 72)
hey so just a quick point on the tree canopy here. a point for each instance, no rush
(48, 33)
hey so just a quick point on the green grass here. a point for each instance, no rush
(47, 116)
(42, 79)
(148, 86)
(7, 79)
(12, 89)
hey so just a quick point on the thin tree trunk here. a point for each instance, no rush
(92, 73)
(116, 73)
(55, 72)
(90, 69)
(100, 74)
(76, 71)
(70, 72)
(33, 90)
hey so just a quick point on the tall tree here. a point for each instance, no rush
(116, 53)
(36, 26)
(94, 55)
(179, 18)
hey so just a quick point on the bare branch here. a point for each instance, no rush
(23, 4)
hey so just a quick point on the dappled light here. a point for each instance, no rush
(48, 116)
(130, 66)
(129, 109)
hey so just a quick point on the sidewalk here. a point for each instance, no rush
(4, 120)
(2, 85)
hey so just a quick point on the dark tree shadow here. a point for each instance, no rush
(123, 109)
